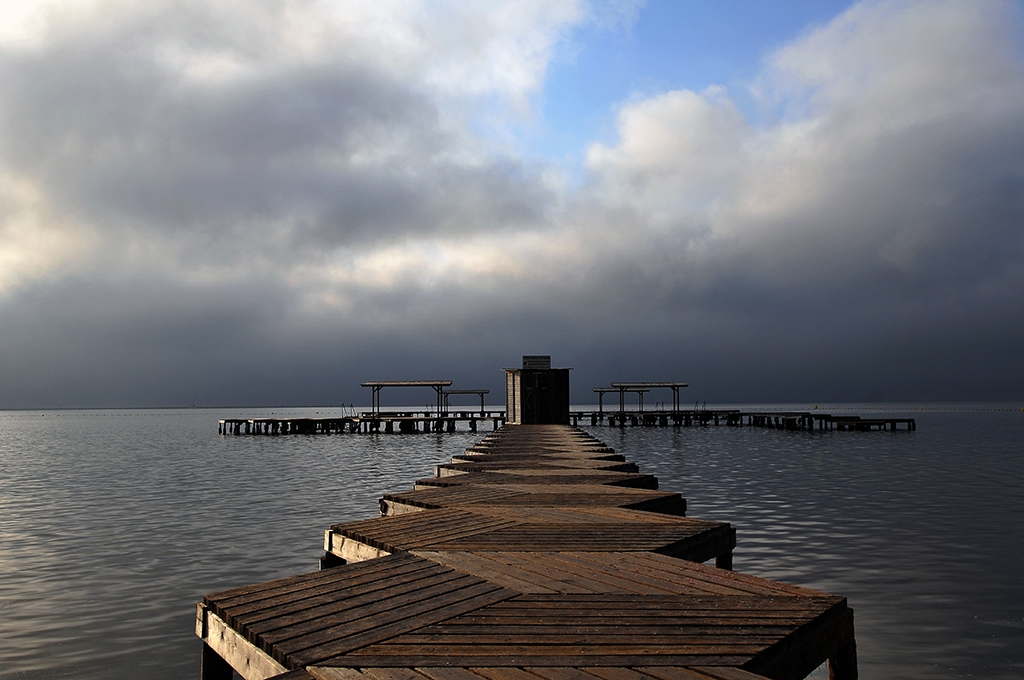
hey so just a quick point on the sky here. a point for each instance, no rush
(227, 203)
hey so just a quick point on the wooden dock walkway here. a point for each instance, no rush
(411, 422)
(779, 420)
(402, 422)
(527, 558)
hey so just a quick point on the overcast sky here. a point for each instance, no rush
(226, 202)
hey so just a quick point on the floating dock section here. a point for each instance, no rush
(539, 554)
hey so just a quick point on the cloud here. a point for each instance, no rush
(192, 188)
(190, 133)
(901, 144)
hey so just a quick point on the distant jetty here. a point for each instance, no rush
(539, 394)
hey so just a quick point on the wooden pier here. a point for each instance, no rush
(412, 422)
(539, 554)
(401, 422)
(780, 420)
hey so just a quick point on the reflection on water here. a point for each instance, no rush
(113, 524)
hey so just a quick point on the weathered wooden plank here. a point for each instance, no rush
(616, 673)
(715, 672)
(333, 607)
(513, 659)
(624, 479)
(248, 660)
(554, 673)
(302, 674)
(504, 674)
(335, 590)
(307, 626)
(530, 632)
(670, 565)
(326, 673)
(624, 601)
(541, 495)
(612, 571)
(485, 566)
(301, 581)
(543, 574)
(540, 463)
(391, 674)
(609, 638)
(536, 529)
(450, 673)
(393, 623)
(638, 674)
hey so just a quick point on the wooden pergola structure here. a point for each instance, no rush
(642, 387)
(377, 385)
(602, 390)
(481, 393)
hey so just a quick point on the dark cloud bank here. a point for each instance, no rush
(276, 237)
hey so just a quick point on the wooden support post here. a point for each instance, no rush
(213, 666)
(843, 665)
(724, 561)
(330, 560)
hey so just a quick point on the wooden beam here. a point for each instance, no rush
(248, 660)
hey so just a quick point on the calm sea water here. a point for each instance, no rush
(114, 523)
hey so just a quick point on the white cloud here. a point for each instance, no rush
(35, 242)
(676, 152)
(200, 133)
(885, 107)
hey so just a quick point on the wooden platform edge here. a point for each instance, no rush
(247, 659)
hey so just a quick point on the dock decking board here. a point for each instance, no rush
(537, 529)
(528, 559)
(544, 476)
(488, 465)
(454, 616)
(620, 572)
(564, 673)
(536, 495)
